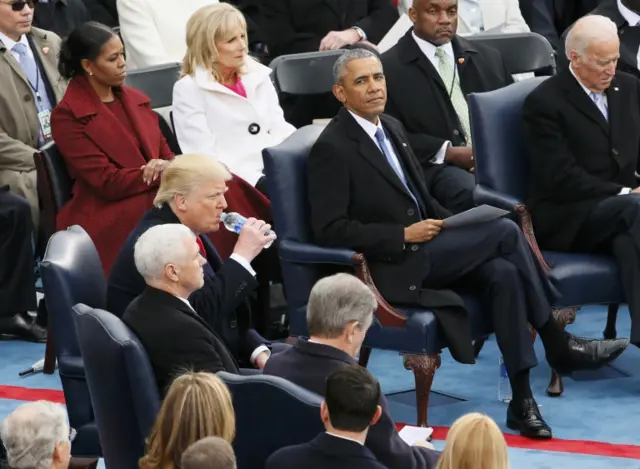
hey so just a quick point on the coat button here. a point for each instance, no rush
(411, 212)
(614, 152)
(254, 129)
(456, 132)
(412, 288)
(27, 98)
(415, 247)
(233, 324)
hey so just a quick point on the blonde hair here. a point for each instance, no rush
(474, 442)
(185, 173)
(207, 26)
(196, 406)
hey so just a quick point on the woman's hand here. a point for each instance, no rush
(152, 170)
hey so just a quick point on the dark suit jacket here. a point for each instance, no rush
(103, 11)
(324, 451)
(175, 337)
(60, 16)
(309, 364)
(419, 99)
(109, 195)
(358, 202)
(294, 26)
(629, 37)
(577, 157)
(221, 302)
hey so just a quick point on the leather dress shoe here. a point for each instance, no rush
(524, 416)
(21, 326)
(587, 354)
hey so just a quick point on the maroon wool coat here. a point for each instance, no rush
(109, 196)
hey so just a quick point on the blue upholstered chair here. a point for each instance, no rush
(285, 415)
(122, 385)
(72, 273)
(412, 332)
(501, 170)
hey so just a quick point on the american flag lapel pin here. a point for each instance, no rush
(45, 50)
(461, 60)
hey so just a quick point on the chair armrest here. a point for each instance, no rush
(303, 253)
(484, 195)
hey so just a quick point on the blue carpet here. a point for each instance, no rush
(602, 406)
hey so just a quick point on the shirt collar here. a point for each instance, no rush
(345, 438)
(630, 16)
(185, 301)
(9, 43)
(429, 49)
(586, 90)
(367, 126)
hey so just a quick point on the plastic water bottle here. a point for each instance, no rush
(234, 222)
(504, 386)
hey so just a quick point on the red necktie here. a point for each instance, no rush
(201, 246)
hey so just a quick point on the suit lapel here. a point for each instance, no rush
(411, 54)
(7, 55)
(615, 108)
(370, 151)
(49, 61)
(583, 102)
(132, 108)
(465, 53)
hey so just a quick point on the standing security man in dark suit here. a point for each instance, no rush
(366, 193)
(626, 15)
(581, 129)
(350, 407)
(429, 73)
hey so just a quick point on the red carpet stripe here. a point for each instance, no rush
(559, 445)
(19, 393)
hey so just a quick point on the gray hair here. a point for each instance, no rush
(31, 432)
(209, 453)
(161, 245)
(349, 56)
(336, 301)
(589, 30)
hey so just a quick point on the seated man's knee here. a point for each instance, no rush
(15, 207)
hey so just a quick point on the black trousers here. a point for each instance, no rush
(451, 186)
(613, 227)
(494, 261)
(17, 278)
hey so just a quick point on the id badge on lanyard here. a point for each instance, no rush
(44, 116)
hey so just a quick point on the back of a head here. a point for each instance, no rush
(161, 245)
(352, 396)
(474, 442)
(209, 453)
(31, 433)
(186, 172)
(197, 405)
(336, 301)
(84, 42)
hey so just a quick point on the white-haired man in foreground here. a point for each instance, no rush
(581, 128)
(37, 436)
(175, 337)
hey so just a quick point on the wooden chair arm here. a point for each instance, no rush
(386, 314)
(524, 219)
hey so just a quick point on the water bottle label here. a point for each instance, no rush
(237, 226)
(503, 370)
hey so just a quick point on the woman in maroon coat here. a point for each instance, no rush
(109, 138)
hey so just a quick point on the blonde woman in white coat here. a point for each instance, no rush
(225, 105)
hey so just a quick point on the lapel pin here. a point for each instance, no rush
(461, 60)
(404, 144)
(615, 88)
(45, 50)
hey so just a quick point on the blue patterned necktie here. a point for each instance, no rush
(393, 162)
(598, 99)
(28, 63)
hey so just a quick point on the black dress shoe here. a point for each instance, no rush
(524, 416)
(21, 326)
(587, 354)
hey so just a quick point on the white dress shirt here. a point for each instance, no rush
(9, 43)
(345, 438)
(633, 19)
(603, 100)
(429, 50)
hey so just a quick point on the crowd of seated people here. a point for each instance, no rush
(394, 162)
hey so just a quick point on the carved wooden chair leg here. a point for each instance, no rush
(49, 354)
(478, 344)
(424, 368)
(612, 316)
(363, 359)
(564, 317)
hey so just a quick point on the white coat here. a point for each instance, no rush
(504, 15)
(154, 31)
(211, 119)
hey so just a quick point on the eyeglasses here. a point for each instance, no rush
(19, 5)
(72, 434)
